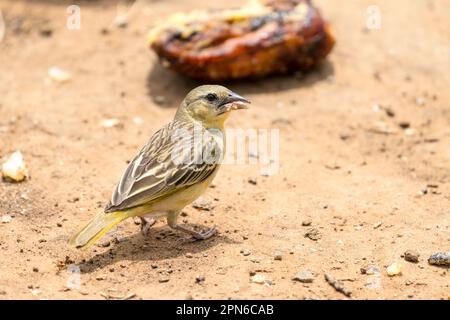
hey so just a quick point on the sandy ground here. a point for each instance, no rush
(371, 187)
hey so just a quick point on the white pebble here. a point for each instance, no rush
(6, 219)
(14, 168)
(259, 279)
(109, 123)
(58, 75)
(394, 269)
(137, 120)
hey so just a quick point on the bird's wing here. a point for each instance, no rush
(173, 159)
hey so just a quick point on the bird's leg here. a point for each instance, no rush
(146, 223)
(172, 222)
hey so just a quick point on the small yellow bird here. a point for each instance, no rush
(173, 169)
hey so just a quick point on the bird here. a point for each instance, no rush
(173, 169)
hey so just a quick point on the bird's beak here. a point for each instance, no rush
(234, 102)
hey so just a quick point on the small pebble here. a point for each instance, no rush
(278, 256)
(394, 269)
(411, 256)
(46, 32)
(410, 132)
(252, 180)
(203, 204)
(121, 22)
(15, 169)
(110, 123)
(404, 125)
(6, 219)
(246, 252)
(440, 259)
(370, 269)
(35, 292)
(161, 100)
(420, 102)
(313, 234)
(105, 244)
(189, 255)
(259, 279)
(137, 120)
(199, 279)
(306, 222)
(305, 276)
(58, 75)
(377, 225)
(389, 112)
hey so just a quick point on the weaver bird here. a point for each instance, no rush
(173, 169)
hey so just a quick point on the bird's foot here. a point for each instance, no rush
(146, 223)
(203, 235)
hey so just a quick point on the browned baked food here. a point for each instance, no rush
(259, 39)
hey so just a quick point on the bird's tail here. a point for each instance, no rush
(97, 228)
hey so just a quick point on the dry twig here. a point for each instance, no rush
(337, 285)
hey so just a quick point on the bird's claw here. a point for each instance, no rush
(146, 224)
(205, 234)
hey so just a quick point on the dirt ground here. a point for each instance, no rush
(364, 155)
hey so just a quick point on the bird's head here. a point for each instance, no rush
(211, 104)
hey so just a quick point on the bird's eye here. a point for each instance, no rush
(211, 97)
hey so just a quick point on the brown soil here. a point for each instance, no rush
(371, 188)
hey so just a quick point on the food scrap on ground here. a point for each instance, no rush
(259, 39)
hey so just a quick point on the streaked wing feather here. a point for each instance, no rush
(152, 173)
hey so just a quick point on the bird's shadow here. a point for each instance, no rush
(160, 244)
(167, 88)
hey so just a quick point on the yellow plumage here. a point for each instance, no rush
(97, 228)
(160, 180)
